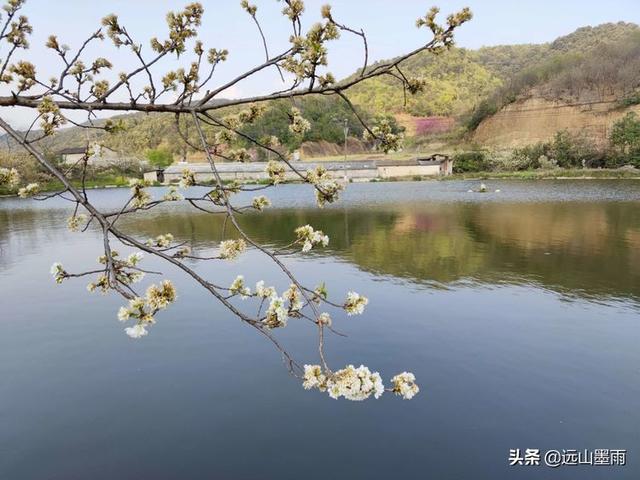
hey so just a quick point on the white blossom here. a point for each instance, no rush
(355, 384)
(74, 222)
(327, 189)
(292, 295)
(276, 171)
(159, 297)
(324, 319)
(230, 249)
(136, 304)
(314, 378)
(276, 314)
(161, 241)
(265, 292)
(58, 272)
(135, 258)
(183, 251)
(137, 331)
(355, 303)
(9, 177)
(172, 195)
(260, 203)
(140, 197)
(124, 314)
(28, 191)
(188, 179)
(238, 288)
(102, 282)
(404, 385)
(309, 237)
(299, 125)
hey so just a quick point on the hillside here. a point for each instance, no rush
(460, 79)
(590, 65)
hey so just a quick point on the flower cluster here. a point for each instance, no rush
(239, 288)
(161, 241)
(314, 378)
(277, 314)
(182, 26)
(299, 125)
(58, 272)
(140, 197)
(310, 50)
(265, 292)
(159, 297)
(143, 309)
(260, 203)
(246, 116)
(182, 252)
(327, 189)
(384, 136)
(74, 222)
(404, 384)
(352, 383)
(9, 177)
(415, 85)
(188, 179)
(20, 29)
(50, 116)
(250, 9)
(294, 9)
(324, 319)
(126, 271)
(292, 295)
(309, 237)
(442, 35)
(238, 155)
(355, 303)
(230, 249)
(29, 191)
(276, 172)
(270, 141)
(172, 195)
(101, 283)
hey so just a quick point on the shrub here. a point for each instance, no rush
(474, 161)
(159, 158)
(625, 139)
(573, 151)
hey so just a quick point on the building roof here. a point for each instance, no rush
(252, 167)
(76, 150)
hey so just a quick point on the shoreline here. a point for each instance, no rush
(524, 175)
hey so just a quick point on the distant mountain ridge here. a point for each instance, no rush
(462, 83)
(460, 79)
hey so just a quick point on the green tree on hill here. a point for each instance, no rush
(625, 138)
(160, 158)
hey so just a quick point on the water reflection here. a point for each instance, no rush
(575, 248)
(504, 362)
(586, 250)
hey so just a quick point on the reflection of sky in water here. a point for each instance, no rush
(470, 295)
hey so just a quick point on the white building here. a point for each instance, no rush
(359, 170)
(100, 155)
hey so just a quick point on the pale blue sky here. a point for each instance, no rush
(389, 26)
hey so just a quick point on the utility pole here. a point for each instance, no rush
(346, 134)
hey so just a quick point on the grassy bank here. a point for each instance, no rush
(559, 174)
(106, 181)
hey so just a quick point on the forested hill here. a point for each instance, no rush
(588, 64)
(457, 81)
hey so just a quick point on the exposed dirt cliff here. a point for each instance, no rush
(533, 120)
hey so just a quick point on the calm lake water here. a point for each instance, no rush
(518, 311)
